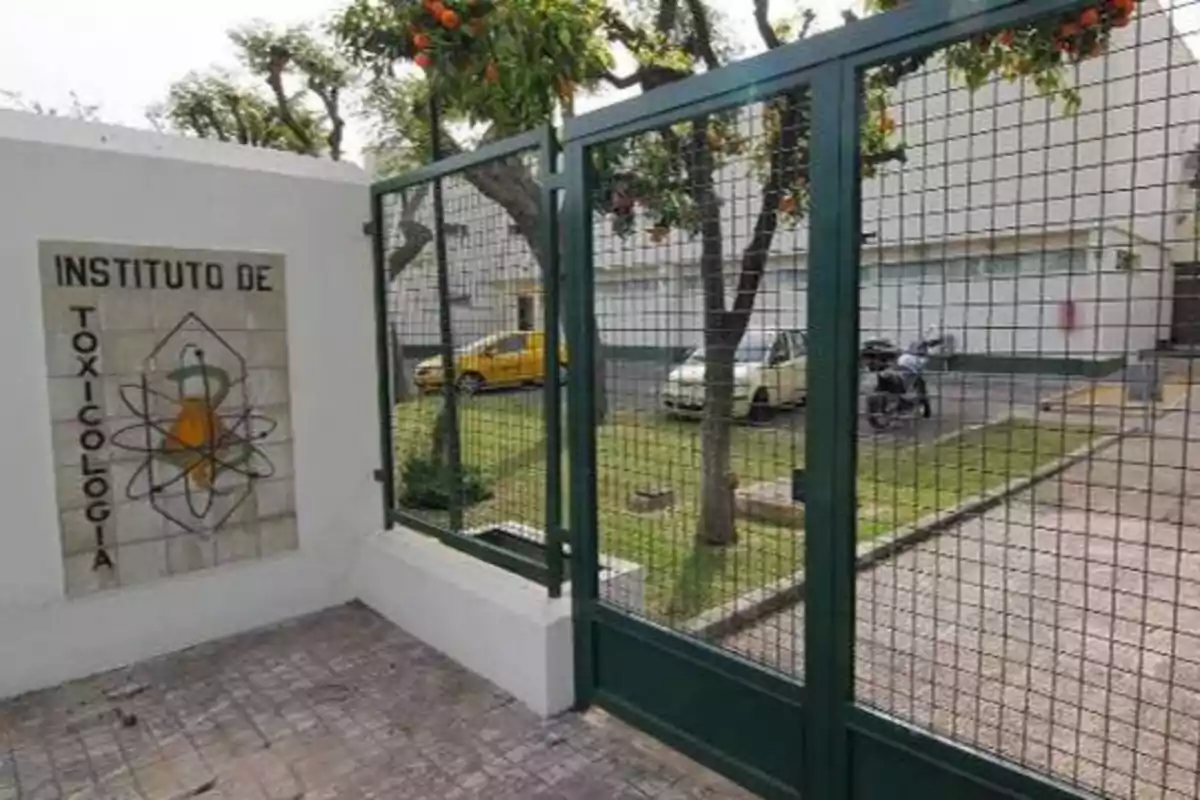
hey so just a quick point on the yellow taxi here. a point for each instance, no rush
(511, 358)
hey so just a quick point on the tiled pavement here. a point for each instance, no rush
(1060, 630)
(340, 704)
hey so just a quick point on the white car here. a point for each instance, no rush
(769, 372)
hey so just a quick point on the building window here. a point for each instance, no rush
(1055, 261)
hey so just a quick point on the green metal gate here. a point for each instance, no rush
(799, 730)
(835, 643)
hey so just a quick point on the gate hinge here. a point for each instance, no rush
(368, 228)
(379, 475)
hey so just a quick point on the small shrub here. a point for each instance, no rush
(427, 483)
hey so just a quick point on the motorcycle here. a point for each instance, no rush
(900, 390)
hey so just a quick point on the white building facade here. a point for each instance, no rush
(1013, 224)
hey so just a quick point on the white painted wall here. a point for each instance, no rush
(67, 180)
(491, 621)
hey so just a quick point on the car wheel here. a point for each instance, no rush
(470, 383)
(877, 411)
(760, 407)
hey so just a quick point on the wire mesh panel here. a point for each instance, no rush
(470, 430)
(414, 335)
(699, 305)
(1027, 533)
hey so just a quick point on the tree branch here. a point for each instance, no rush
(235, 108)
(787, 159)
(762, 19)
(279, 60)
(891, 73)
(703, 38)
(506, 182)
(209, 116)
(329, 96)
(810, 17)
(668, 12)
(698, 158)
(621, 31)
(416, 235)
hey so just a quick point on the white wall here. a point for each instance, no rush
(491, 621)
(65, 180)
(1117, 312)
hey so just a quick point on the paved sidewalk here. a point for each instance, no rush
(340, 704)
(1060, 630)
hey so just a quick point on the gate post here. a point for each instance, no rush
(830, 448)
(581, 412)
(386, 474)
(552, 388)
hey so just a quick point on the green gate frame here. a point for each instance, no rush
(767, 732)
(778, 737)
(550, 570)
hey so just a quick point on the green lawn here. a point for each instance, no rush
(502, 436)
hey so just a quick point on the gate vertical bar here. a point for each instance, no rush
(552, 396)
(829, 541)
(581, 413)
(383, 365)
(449, 379)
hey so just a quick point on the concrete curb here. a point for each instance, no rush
(738, 614)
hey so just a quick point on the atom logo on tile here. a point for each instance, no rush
(196, 428)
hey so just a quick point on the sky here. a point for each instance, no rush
(122, 55)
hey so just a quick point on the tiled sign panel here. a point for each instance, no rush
(169, 399)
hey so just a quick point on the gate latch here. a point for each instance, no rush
(797, 486)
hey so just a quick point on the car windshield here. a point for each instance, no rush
(752, 350)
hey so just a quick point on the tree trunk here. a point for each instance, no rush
(722, 334)
(716, 524)
(400, 390)
(439, 449)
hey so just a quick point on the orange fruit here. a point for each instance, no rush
(449, 19)
(1006, 38)
(1089, 18)
(421, 41)
(1068, 30)
(423, 60)
(436, 9)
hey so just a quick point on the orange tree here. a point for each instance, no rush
(502, 67)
